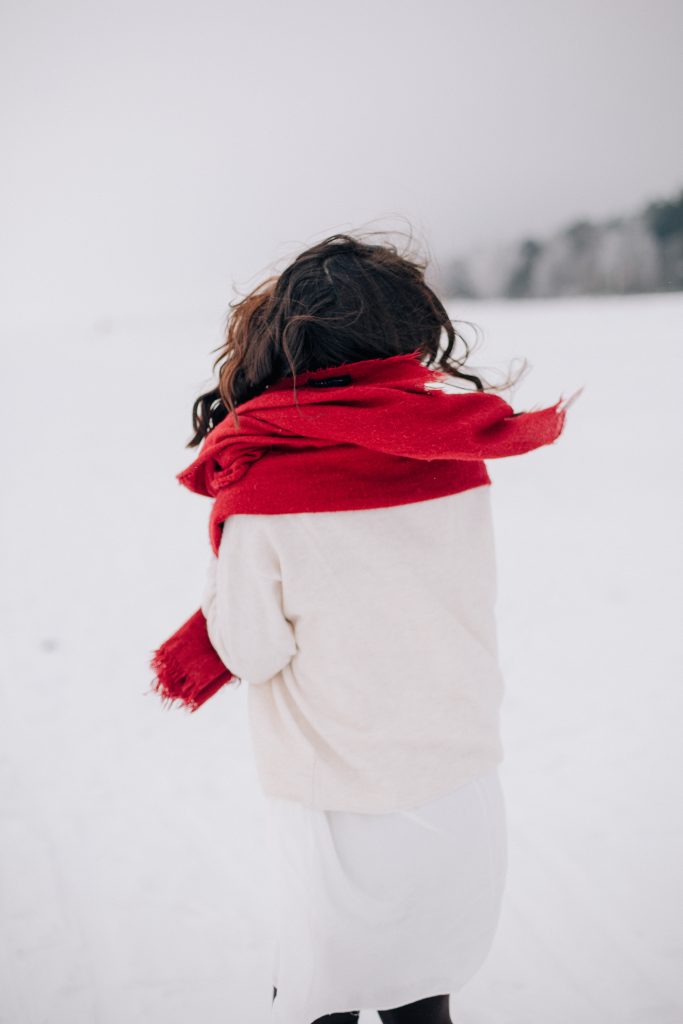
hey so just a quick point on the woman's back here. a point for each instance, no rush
(368, 641)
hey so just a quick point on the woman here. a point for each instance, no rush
(352, 586)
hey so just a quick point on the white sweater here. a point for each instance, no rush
(368, 641)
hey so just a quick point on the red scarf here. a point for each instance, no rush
(367, 434)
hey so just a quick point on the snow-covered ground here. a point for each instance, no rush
(133, 836)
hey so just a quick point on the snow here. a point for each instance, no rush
(134, 843)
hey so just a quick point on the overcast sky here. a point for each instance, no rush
(158, 153)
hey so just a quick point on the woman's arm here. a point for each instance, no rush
(243, 602)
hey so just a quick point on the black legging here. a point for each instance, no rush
(432, 1010)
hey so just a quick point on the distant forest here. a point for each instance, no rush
(638, 253)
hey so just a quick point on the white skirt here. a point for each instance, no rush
(373, 911)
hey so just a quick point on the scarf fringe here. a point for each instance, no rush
(187, 668)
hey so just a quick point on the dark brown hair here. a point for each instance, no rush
(340, 301)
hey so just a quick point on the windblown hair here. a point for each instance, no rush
(340, 301)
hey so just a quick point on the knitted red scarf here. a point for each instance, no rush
(360, 435)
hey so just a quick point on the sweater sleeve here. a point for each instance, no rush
(242, 603)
